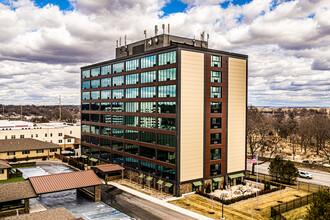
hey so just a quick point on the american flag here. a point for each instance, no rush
(254, 159)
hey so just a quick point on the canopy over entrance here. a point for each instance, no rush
(236, 175)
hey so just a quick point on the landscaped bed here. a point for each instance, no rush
(15, 179)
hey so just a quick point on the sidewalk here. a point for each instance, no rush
(160, 202)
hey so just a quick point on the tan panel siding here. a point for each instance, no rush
(192, 115)
(236, 114)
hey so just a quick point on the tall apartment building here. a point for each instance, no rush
(169, 108)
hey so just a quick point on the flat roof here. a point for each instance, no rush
(51, 214)
(16, 190)
(10, 145)
(64, 181)
(106, 168)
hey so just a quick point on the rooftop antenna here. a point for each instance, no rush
(202, 36)
(120, 42)
(60, 108)
(163, 27)
(168, 29)
(208, 36)
(116, 43)
(125, 40)
(145, 33)
(156, 30)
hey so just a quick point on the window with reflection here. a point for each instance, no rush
(132, 79)
(85, 150)
(132, 65)
(215, 92)
(167, 74)
(148, 107)
(166, 172)
(117, 106)
(106, 106)
(85, 85)
(148, 77)
(94, 140)
(131, 120)
(95, 95)
(147, 167)
(85, 128)
(166, 107)
(85, 117)
(118, 80)
(106, 131)
(117, 145)
(95, 72)
(147, 122)
(105, 155)
(216, 76)
(106, 119)
(166, 140)
(167, 91)
(216, 138)
(118, 67)
(166, 156)
(148, 92)
(95, 129)
(167, 58)
(84, 106)
(216, 107)
(215, 61)
(95, 152)
(106, 94)
(132, 107)
(85, 96)
(215, 169)
(106, 82)
(132, 148)
(85, 138)
(116, 158)
(117, 119)
(147, 152)
(106, 70)
(95, 106)
(147, 62)
(215, 154)
(132, 135)
(118, 132)
(132, 93)
(215, 123)
(148, 137)
(86, 74)
(95, 118)
(131, 162)
(105, 143)
(117, 93)
(95, 83)
(166, 123)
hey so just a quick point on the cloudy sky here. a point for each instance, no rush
(44, 43)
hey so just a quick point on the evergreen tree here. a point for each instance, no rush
(320, 207)
(289, 172)
(275, 167)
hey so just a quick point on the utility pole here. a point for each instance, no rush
(60, 108)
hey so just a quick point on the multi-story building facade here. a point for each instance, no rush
(169, 108)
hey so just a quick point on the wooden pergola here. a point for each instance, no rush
(108, 170)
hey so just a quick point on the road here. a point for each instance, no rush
(320, 178)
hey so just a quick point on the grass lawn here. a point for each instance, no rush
(297, 213)
(240, 210)
(12, 180)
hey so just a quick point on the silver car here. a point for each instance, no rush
(305, 174)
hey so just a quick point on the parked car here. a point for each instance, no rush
(305, 174)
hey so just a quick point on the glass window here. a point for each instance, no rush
(132, 65)
(167, 91)
(117, 106)
(131, 120)
(105, 143)
(148, 92)
(95, 118)
(215, 92)
(118, 80)
(86, 74)
(166, 123)
(106, 106)
(118, 132)
(106, 82)
(215, 169)
(106, 94)
(131, 134)
(85, 96)
(131, 162)
(106, 131)
(166, 172)
(85, 117)
(147, 152)
(118, 159)
(105, 155)
(84, 106)
(216, 138)
(148, 167)
(132, 79)
(118, 94)
(215, 154)
(215, 123)
(148, 107)
(216, 76)
(215, 61)
(167, 58)
(85, 85)
(148, 77)
(216, 107)
(95, 95)
(166, 107)
(116, 145)
(95, 106)
(167, 74)
(117, 119)
(132, 93)
(95, 129)
(148, 137)
(166, 140)
(95, 83)
(106, 119)
(105, 70)
(147, 122)
(118, 67)
(95, 72)
(148, 62)
(131, 106)
(85, 138)
(85, 128)
(166, 156)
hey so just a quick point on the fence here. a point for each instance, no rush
(61, 157)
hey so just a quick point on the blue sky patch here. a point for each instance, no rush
(62, 4)
(174, 6)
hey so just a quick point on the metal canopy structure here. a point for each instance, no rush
(108, 168)
(236, 175)
(198, 183)
(217, 179)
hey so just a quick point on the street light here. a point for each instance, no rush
(222, 196)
